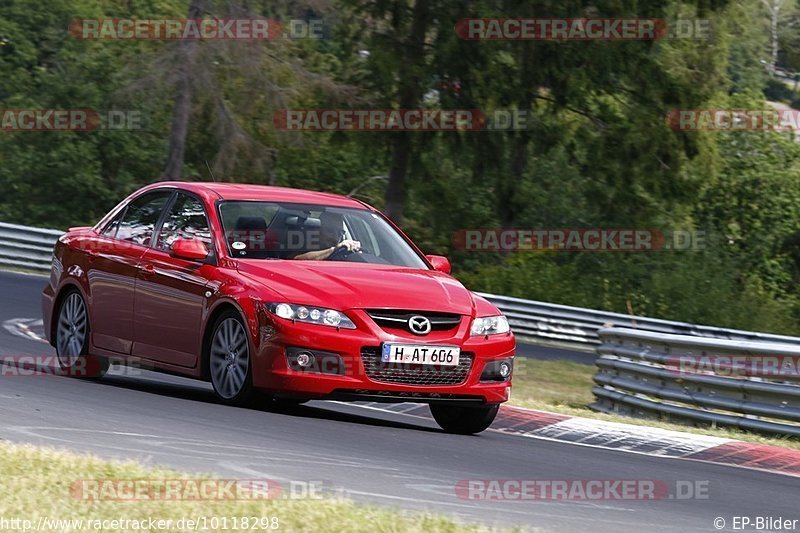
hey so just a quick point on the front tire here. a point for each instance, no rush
(72, 339)
(463, 420)
(229, 362)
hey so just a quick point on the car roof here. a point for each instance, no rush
(242, 191)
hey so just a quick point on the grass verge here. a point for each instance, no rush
(39, 482)
(566, 387)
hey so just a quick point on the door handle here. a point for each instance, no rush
(148, 270)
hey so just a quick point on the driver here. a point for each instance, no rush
(331, 235)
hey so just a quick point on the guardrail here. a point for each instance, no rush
(578, 328)
(751, 385)
(26, 247)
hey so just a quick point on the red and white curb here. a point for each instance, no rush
(628, 437)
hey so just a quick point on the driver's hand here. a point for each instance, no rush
(350, 245)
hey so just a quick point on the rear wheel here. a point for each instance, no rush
(464, 420)
(72, 339)
(229, 360)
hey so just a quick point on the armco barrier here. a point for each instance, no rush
(577, 327)
(752, 385)
(27, 248)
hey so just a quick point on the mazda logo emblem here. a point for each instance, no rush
(419, 325)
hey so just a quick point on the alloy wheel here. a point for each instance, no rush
(71, 330)
(229, 358)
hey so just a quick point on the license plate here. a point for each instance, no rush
(422, 354)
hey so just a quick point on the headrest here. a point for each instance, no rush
(251, 224)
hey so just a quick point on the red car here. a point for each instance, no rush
(298, 294)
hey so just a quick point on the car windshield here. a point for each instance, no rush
(279, 230)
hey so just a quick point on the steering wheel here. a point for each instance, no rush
(340, 254)
(362, 256)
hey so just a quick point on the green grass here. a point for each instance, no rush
(566, 387)
(36, 482)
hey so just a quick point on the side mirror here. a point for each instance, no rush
(190, 249)
(439, 263)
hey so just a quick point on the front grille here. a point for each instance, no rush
(414, 374)
(398, 318)
(384, 396)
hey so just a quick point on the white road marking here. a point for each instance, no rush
(27, 328)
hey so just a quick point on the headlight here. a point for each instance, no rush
(311, 315)
(489, 325)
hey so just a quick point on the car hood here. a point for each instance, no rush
(342, 285)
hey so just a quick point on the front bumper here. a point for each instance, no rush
(271, 371)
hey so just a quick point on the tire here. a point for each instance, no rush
(72, 339)
(464, 420)
(229, 363)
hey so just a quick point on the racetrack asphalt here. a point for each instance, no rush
(373, 456)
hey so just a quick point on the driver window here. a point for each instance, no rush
(140, 217)
(186, 220)
(111, 228)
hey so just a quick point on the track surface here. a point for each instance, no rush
(388, 459)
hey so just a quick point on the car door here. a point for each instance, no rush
(112, 267)
(170, 292)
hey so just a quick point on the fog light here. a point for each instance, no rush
(498, 371)
(307, 360)
(304, 359)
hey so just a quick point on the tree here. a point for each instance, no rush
(186, 68)
(774, 10)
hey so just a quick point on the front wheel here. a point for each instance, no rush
(229, 360)
(464, 420)
(72, 340)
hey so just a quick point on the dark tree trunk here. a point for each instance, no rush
(511, 183)
(395, 191)
(410, 91)
(181, 113)
(509, 186)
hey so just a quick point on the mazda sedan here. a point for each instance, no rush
(295, 294)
